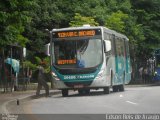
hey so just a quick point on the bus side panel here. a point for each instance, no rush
(119, 72)
(128, 73)
(111, 69)
(128, 63)
(105, 79)
(119, 76)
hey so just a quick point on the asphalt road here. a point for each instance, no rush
(95, 106)
(135, 100)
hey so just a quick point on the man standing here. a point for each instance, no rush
(141, 73)
(41, 80)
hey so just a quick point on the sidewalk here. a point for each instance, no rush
(5, 98)
(143, 84)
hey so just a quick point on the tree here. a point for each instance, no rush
(148, 13)
(45, 15)
(13, 17)
(116, 21)
(81, 20)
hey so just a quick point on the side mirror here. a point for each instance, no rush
(47, 49)
(107, 46)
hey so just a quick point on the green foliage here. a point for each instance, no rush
(13, 17)
(30, 65)
(80, 20)
(45, 15)
(25, 21)
(116, 21)
(134, 31)
(147, 13)
(46, 60)
(47, 66)
(38, 60)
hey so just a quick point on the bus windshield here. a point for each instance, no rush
(84, 53)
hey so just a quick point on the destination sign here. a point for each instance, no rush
(62, 62)
(76, 33)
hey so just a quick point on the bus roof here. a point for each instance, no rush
(91, 27)
(76, 28)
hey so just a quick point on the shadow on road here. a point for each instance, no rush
(91, 94)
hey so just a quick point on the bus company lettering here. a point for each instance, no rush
(76, 33)
(78, 77)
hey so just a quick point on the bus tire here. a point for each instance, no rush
(115, 88)
(121, 88)
(87, 91)
(106, 90)
(83, 92)
(64, 93)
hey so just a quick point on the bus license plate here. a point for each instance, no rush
(78, 86)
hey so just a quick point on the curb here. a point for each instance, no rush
(142, 85)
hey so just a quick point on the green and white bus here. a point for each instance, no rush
(85, 58)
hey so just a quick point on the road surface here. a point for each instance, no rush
(135, 100)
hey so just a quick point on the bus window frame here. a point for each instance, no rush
(76, 39)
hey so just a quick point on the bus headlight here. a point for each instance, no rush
(54, 76)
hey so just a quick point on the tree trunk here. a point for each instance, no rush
(4, 78)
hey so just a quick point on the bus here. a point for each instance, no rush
(156, 55)
(87, 57)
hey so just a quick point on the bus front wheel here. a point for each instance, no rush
(64, 93)
(83, 92)
(106, 90)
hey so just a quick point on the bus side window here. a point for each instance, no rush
(108, 36)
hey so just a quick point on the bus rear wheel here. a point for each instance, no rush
(115, 88)
(121, 88)
(64, 93)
